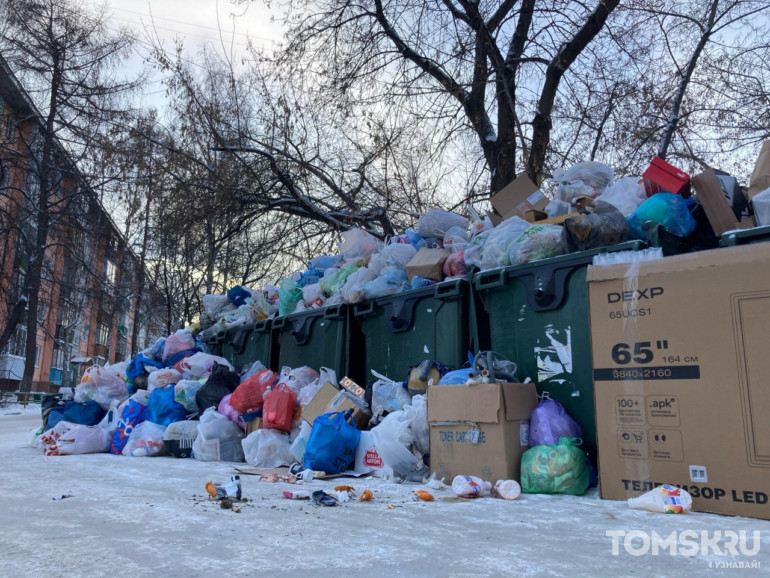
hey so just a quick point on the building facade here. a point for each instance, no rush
(89, 290)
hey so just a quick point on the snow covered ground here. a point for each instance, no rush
(152, 517)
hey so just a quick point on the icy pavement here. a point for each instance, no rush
(152, 517)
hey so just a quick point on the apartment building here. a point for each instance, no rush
(89, 290)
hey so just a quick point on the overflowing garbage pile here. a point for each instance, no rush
(177, 398)
(589, 209)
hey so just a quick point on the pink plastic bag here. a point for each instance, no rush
(227, 410)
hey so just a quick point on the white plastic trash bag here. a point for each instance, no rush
(162, 377)
(267, 448)
(434, 223)
(67, 438)
(200, 365)
(146, 439)
(102, 385)
(626, 194)
(219, 439)
(394, 438)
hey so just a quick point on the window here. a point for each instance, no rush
(10, 128)
(102, 334)
(109, 271)
(100, 360)
(86, 326)
(41, 311)
(17, 342)
(57, 361)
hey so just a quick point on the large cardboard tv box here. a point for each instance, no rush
(479, 430)
(681, 361)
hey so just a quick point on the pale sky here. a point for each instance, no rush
(197, 22)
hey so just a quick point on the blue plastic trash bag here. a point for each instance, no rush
(238, 295)
(331, 447)
(667, 209)
(83, 413)
(131, 415)
(162, 409)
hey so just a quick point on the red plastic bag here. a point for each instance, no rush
(278, 411)
(248, 396)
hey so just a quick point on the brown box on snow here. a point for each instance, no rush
(680, 377)
(516, 198)
(712, 197)
(428, 263)
(479, 430)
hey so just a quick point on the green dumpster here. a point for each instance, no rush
(214, 343)
(245, 344)
(324, 337)
(403, 329)
(538, 318)
(745, 237)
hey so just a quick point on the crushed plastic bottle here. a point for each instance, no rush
(229, 489)
(470, 487)
(665, 499)
(507, 489)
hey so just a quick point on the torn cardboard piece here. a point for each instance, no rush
(516, 198)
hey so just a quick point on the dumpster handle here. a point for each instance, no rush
(333, 311)
(279, 322)
(447, 290)
(490, 279)
(364, 308)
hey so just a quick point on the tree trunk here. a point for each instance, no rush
(13, 320)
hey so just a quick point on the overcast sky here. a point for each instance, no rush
(195, 21)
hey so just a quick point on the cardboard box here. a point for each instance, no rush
(661, 176)
(329, 399)
(253, 425)
(760, 177)
(479, 430)
(711, 195)
(680, 377)
(428, 263)
(517, 198)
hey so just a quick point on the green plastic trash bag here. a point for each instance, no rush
(334, 282)
(289, 294)
(555, 469)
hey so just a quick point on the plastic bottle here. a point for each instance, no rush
(267, 392)
(665, 499)
(470, 487)
(507, 489)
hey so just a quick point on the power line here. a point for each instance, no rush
(177, 21)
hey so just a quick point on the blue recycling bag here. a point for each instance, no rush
(162, 409)
(331, 447)
(83, 413)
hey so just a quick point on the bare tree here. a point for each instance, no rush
(62, 51)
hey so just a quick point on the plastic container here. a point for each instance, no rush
(325, 337)
(245, 344)
(538, 318)
(507, 489)
(403, 329)
(470, 487)
(665, 499)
